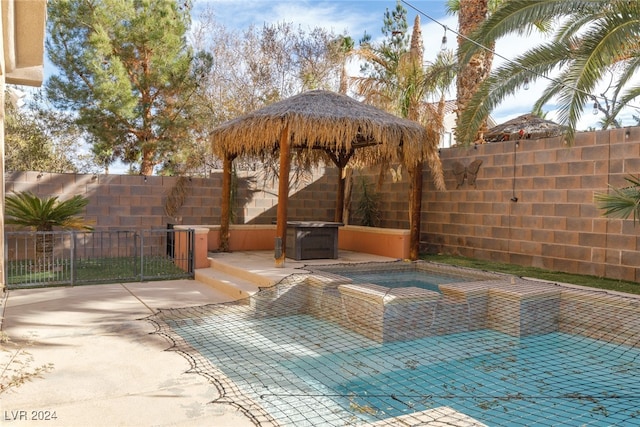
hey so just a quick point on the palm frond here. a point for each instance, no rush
(593, 37)
(621, 202)
(503, 82)
(628, 96)
(522, 17)
(571, 28)
(25, 209)
(439, 75)
(598, 47)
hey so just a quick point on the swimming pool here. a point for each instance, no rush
(286, 364)
(536, 381)
(305, 371)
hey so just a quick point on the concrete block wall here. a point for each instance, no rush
(133, 202)
(312, 198)
(126, 201)
(554, 224)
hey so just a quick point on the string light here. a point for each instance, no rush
(496, 54)
(595, 108)
(526, 83)
(443, 46)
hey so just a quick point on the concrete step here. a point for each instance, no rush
(229, 284)
(241, 273)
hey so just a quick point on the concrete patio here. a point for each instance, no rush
(109, 369)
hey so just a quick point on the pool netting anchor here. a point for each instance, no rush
(317, 349)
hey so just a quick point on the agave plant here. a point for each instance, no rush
(25, 209)
(621, 202)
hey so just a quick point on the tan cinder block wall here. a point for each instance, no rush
(133, 202)
(311, 198)
(126, 201)
(554, 224)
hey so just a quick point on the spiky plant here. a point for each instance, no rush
(621, 202)
(27, 210)
(368, 207)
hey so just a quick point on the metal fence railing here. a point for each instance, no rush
(38, 259)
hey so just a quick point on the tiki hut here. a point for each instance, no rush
(319, 124)
(526, 126)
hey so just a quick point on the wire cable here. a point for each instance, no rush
(511, 61)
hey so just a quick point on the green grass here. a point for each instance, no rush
(538, 273)
(100, 270)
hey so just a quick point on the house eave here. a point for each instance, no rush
(23, 28)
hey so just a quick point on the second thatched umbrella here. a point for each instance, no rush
(318, 122)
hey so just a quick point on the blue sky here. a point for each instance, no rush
(357, 16)
(354, 17)
(342, 17)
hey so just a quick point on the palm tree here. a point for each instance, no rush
(345, 49)
(471, 73)
(42, 215)
(402, 85)
(622, 202)
(593, 42)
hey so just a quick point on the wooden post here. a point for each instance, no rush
(415, 209)
(225, 210)
(340, 195)
(340, 159)
(283, 196)
(348, 187)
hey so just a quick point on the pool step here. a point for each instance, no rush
(229, 284)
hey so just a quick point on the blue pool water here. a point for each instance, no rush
(309, 372)
(555, 379)
(401, 278)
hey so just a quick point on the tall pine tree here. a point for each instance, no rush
(126, 70)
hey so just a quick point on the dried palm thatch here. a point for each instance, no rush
(318, 125)
(325, 121)
(526, 126)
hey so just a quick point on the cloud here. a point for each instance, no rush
(338, 16)
(356, 17)
(329, 15)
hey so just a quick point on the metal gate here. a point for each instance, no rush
(38, 259)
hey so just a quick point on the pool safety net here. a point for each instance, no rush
(318, 350)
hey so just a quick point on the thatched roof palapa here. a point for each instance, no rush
(321, 120)
(321, 124)
(526, 126)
